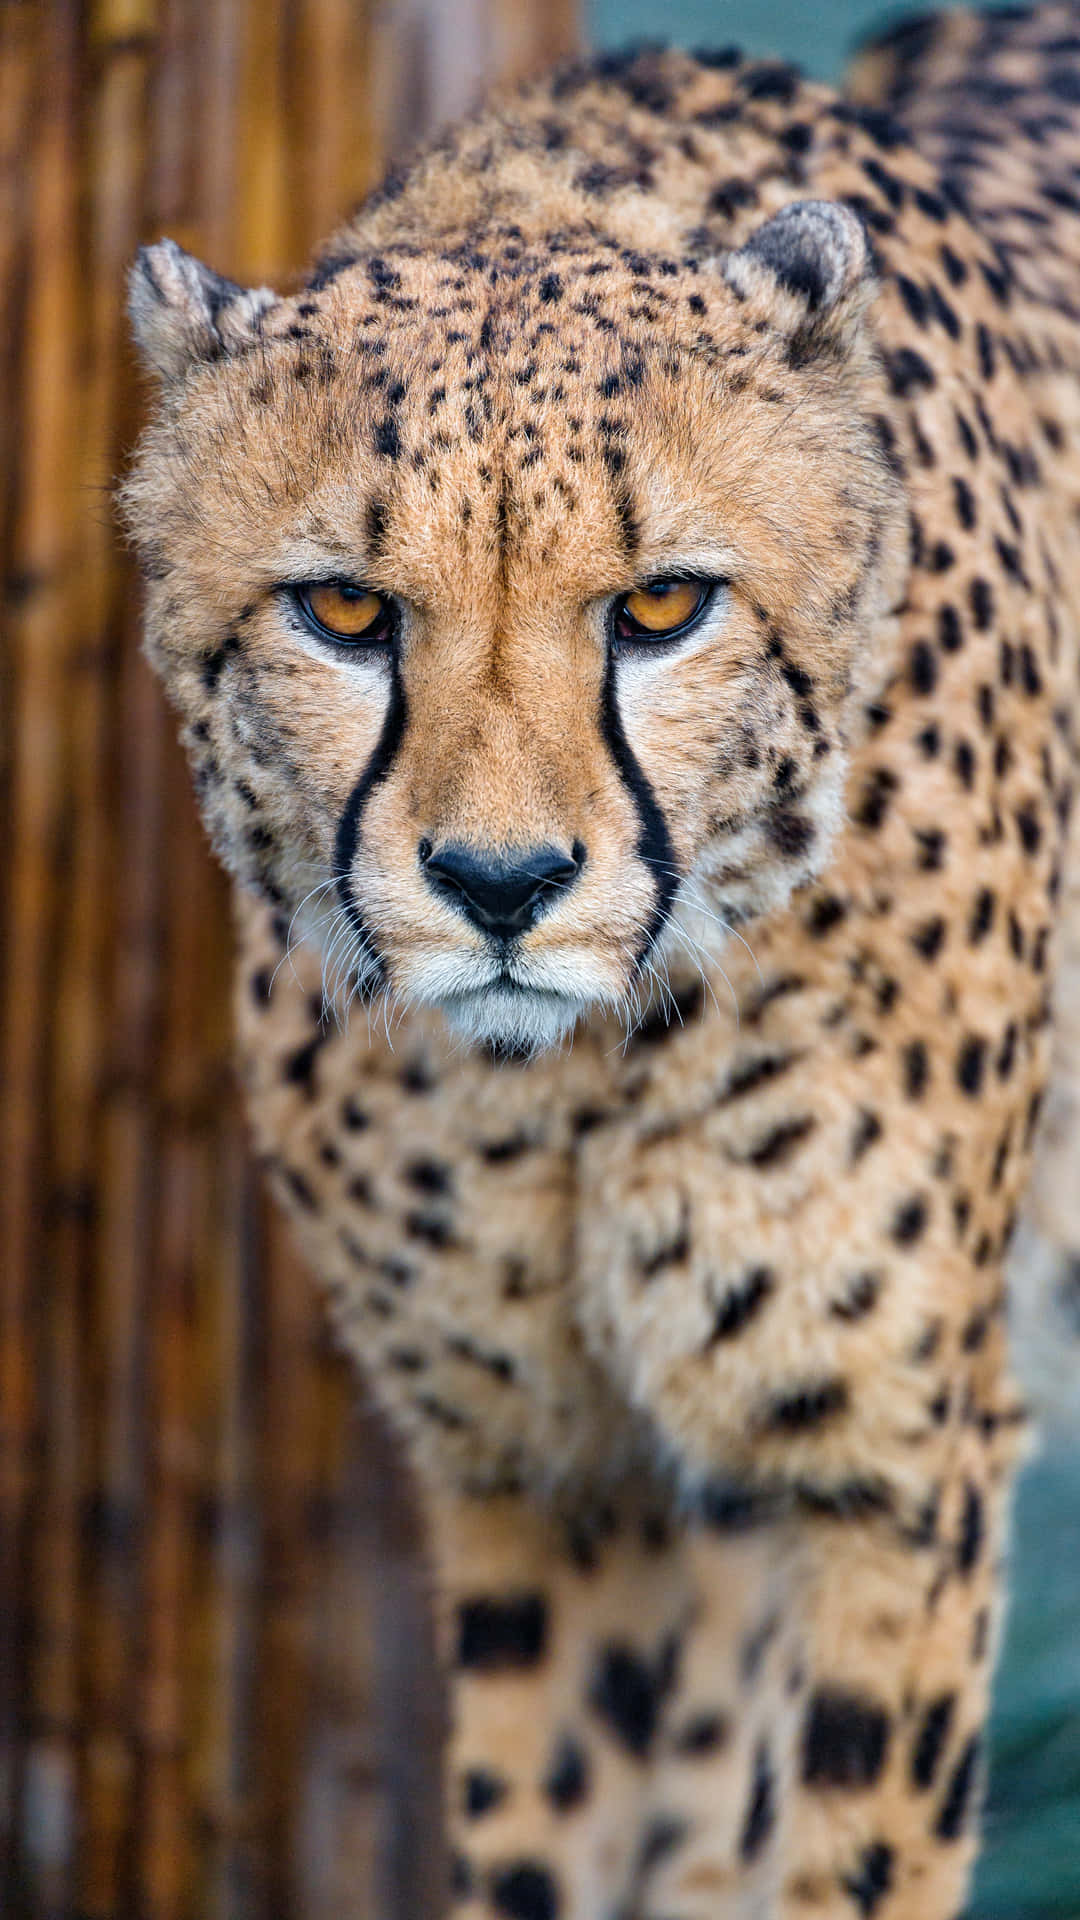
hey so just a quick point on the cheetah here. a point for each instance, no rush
(621, 614)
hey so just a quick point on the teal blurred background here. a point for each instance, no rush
(819, 35)
(1030, 1868)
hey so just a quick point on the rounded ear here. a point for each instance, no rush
(817, 251)
(182, 312)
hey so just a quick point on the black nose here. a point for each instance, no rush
(500, 893)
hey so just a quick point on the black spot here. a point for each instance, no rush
(806, 1407)
(797, 678)
(867, 1129)
(923, 667)
(671, 1253)
(386, 437)
(428, 1176)
(760, 1817)
(661, 1836)
(567, 1781)
(730, 195)
(964, 763)
(909, 1221)
(756, 1073)
(482, 1792)
(627, 517)
(498, 1152)
(431, 1228)
(730, 1506)
(982, 916)
(790, 833)
(740, 1305)
(300, 1189)
(551, 288)
(908, 371)
(943, 312)
(950, 632)
(1030, 677)
(951, 1819)
(299, 1068)
(215, 662)
(703, 1733)
(916, 1068)
(873, 805)
(671, 1016)
(895, 193)
(625, 1693)
(773, 80)
(875, 121)
(1029, 830)
(845, 1739)
(1064, 83)
(970, 1065)
(971, 1529)
(260, 985)
(778, 1145)
(931, 843)
(929, 937)
(933, 1732)
(981, 595)
(826, 913)
(854, 1499)
(524, 1891)
(502, 1634)
(872, 1877)
(376, 527)
(913, 298)
(859, 1298)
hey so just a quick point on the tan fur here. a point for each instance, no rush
(677, 1255)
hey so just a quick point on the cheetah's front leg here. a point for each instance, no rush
(564, 1649)
(871, 1691)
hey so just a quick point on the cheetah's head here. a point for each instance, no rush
(520, 596)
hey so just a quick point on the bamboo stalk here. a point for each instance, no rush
(20, 59)
(46, 540)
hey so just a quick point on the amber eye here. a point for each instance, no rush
(661, 609)
(341, 612)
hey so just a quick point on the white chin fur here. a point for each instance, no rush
(527, 1020)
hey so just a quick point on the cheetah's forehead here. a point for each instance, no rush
(606, 407)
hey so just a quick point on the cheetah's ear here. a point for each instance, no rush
(815, 250)
(182, 312)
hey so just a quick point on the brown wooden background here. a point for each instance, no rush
(214, 1689)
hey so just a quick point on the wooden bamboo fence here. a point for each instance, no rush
(215, 1691)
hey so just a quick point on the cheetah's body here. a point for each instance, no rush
(696, 1339)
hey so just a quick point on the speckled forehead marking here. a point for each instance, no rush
(512, 371)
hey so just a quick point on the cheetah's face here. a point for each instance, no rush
(508, 797)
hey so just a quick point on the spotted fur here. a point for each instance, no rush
(673, 1238)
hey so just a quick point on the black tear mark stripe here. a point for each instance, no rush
(654, 844)
(348, 832)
